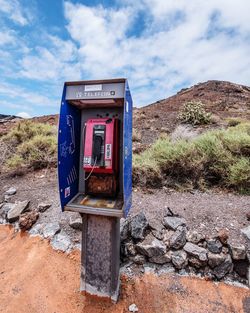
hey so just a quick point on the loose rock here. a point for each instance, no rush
(51, 229)
(161, 259)
(151, 247)
(11, 191)
(179, 259)
(75, 223)
(214, 245)
(138, 259)
(246, 232)
(42, 207)
(193, 261)
(36, 230)
(238, 251)
(129, 249)
(221, 270)
(27, 219)
(138, 226)
(173, 222)
(133, 308)
(196, 251)
(194, 237)
(6, 207)
(178, 239)
(215, 259)
(16, 210)
(166, 269)
(124, 229)
(61, 242)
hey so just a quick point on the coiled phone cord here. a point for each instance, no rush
(86, 178)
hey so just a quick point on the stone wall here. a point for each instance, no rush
(170, 244)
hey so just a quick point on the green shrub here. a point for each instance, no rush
(29, 145)
(213, 158)
(239, 175)
(194, 113)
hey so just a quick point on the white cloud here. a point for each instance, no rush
(183, 42)
(55, 62)
(23, 115)
(14, 11)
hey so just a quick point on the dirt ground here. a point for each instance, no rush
(36, 279)
(204, 211)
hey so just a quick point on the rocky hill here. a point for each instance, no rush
(223, 99)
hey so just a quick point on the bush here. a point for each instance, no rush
(219, 158)
(194, 113)
(29, 145)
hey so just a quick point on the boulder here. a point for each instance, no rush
(75, 223)
(221, 270)
(196, 251)
(151, 247)
(194, 237)
(214, 245)
(178, 239)
(14, 213)
(161, 259)
(61, 242)
(138, 226)
(43, 206)
(215, 259)
(51, 229)
(238, 251)
(173, 222)
(27, 219)
(11, 191)
(179, 259)
(246, 232)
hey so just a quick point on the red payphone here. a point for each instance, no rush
(101, 156)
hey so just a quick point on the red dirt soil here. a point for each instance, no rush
(36, 279)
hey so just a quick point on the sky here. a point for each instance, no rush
(161, 46)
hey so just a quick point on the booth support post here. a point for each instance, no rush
(100, 258)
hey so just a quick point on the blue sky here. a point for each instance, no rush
(161, 46)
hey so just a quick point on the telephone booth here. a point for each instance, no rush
(95, 173)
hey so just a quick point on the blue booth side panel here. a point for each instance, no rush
(68, 150)
(127, 150)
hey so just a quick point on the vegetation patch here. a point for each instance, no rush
(28, 145)
(215, 158)
(194, 113)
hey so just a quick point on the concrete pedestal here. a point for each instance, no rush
(100, 259)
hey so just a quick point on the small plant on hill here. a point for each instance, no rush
(194, 113)
(28, 145)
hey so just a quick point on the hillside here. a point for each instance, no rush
(223, 99)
